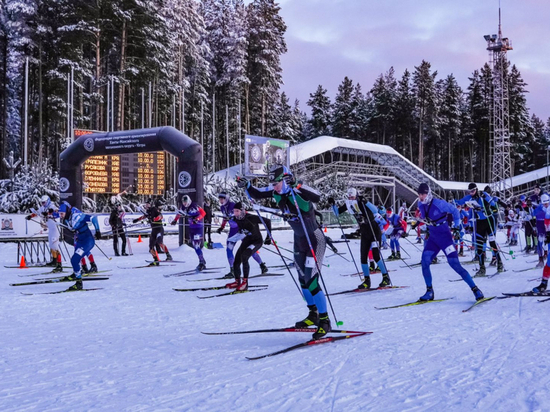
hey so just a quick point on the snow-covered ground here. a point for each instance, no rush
(136, 345)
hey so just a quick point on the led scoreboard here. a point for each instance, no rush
(114, 173)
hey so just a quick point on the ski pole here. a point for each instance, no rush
(276, 247)
(313, 254)
(347, 243)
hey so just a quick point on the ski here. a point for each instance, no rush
(525, 270)
(372, 272)
(418, 302)
(193, 272)
(51, 272)
(34, 266)
(544, 300)
(84, 275)
(290, 265)
(170, 261)
(59, 280)
(289, 329)
(340, 241)
(496, 274)
(367, 290)
(61, 291)
(144, 266)
(547, 293)
(478, 302)
(215, 288)
(235, 292)
(250, 277)
(309, 343)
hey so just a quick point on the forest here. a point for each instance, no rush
(212, 68)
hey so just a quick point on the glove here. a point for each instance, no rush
(50, 211)
(331, 201)
(289, 216)
(243, 182)
(29, 217)
(173, 222)
(267, 241)
(335, 210)
(289, 180)
(220, 230)
(414, 224)
(135, 220)
(547, 238)
(98, 235)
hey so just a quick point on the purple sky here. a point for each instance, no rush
(330, 39)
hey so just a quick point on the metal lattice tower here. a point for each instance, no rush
(499, 141)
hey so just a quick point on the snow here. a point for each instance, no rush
(136, 344)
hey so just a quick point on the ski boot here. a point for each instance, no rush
(541, 262)
(398, 255)
(500, 266)
(542, 287)
(77, 285)
(311, 319)
(372, 266)
(386, 281)
(154, 263)
(323, 328)
(52, 263)
(243, 286)
(391, 257)
(233, 285)
(209, 245)
(124, 253)
(231, 274)
(264, 268)
(477, 293)
(461, 252)
(365, 284)
(116, 253)
(493, 261)
(429, 295)
(93, 267)
(334, 249)
(481, 272)
(418, 241)
(435, 261)
(58, 268)
(168, 257)
(69, 278)
(201, 267)
(85, 268)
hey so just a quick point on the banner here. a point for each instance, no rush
(260, 153)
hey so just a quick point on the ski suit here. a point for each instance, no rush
(248, 231)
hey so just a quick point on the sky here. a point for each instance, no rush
(330, 39)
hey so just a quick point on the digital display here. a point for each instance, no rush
(143, 172)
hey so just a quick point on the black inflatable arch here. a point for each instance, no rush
(187, 151)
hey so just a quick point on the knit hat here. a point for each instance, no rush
(423, 189)
(238, 205)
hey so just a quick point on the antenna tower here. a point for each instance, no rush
(499, 139)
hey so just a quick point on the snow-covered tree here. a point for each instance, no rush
(266, 45)
(342, 110)
(319, 123)
(425, 99)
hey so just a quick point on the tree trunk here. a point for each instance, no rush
(420, 143)
(121, 89)
(247, 109)
(99, 108)
(40, 111)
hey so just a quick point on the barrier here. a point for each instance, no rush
(33, 250)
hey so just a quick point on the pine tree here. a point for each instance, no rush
(342, 110)
(383, 104)
(266, 44)
(18, 13)
(425, 99)
(451, 130)
(540, 142)
(403, 115)
(319, 123)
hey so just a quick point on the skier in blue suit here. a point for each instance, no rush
(83, 241)
(434, 213)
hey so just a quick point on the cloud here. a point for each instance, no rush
(330, 39)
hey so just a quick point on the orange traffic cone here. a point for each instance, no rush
(22, 265)
(325, 229)
(139, 239)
